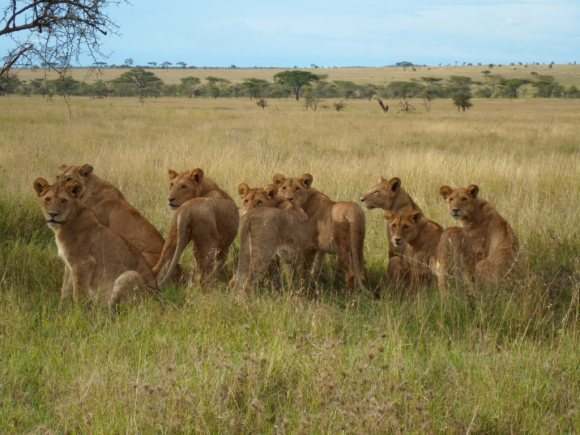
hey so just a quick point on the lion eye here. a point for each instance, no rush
(464, 199)
(183, 186)
(46, 199)
(284, 188)
(405, 227)
(259, 202)
(297, 189)
(170, 184)
(63, 200)
(376, 193)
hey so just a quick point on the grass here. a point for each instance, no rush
(565, 74)
(283, 362)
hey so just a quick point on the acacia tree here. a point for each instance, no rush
(54, 32)
(296, 80)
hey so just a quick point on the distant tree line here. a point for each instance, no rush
(142, 83)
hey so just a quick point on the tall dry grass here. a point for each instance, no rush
(505, 361)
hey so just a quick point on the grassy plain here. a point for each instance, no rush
(564, 74)
(505, 361)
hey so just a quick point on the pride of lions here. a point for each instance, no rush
(112, 253)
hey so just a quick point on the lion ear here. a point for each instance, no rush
(63, 167)
(445, 191)
(243, 189)
(278, 179)
(395, 184)
(197, 175)
(40, 185)
(86, 170)
(306, 180)
(381, 180)
(172, 174)
(271, 190)
(473, 190)
(389, 215)
(74, 189)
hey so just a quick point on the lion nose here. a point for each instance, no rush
(52, 214)
(455, 211)
(397, 241)
(362, 199)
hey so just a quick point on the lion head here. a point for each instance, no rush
(295, 190)
(404, 227)
(254, 197)
(462, 202)
(59, 202)
(383, 194)
(184, 186)
(78, 174)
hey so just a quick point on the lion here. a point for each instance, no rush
(99, 264)
(487, 239)
(205, 215)
(270, 227)
(390, 196)
(113, 210)
(336, 227)
(411, 227)
(254, 197)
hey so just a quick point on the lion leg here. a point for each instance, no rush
(454, 258)
(82, 275)
(66, 290)
(398, 272)
(128, 285)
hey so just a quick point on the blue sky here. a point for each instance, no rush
(345, 32)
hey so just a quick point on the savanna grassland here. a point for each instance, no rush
(283, 361)
(567, 75)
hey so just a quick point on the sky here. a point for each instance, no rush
(344, 32)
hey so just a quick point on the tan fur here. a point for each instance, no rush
(488, 238)
(99, 264)
(112, 210)
(411, 227)
(390, 196)
(206, 216)
(270, 227)
(337, 227)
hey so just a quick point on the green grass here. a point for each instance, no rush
(504, 361)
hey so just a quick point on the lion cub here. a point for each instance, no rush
(411, 227)
(206, 216)
(487, 239)
(99, 263)
(270, 227)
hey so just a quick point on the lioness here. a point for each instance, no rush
(337, 227)
(206, 215)
(270, 227)
(390, 196)
(98, 262)
(112, 209)
(254, 197)
(411, 227)
(490, 239)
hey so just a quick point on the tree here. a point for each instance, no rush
(152, 64)
(129, 62)
(138, 82)
(54, 32)
(189, 85)
(296, 80)
(182, 64)
(166, 64)
(255, 88)
(462, 98)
